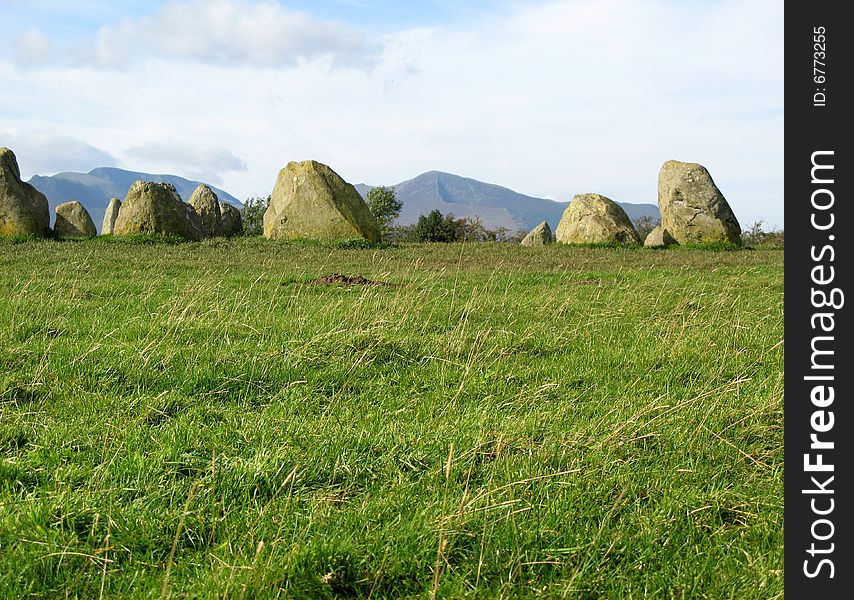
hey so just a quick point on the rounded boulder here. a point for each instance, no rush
(596, 219)
(73, 221)
(156, 208)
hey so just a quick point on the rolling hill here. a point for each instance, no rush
(95, 188)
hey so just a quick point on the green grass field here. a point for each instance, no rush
(198, 420)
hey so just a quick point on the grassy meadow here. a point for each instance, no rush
(199, 420)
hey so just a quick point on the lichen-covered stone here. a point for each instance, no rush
(312, 201)
(692, 207)
(206, 203)
(73, 220)
(112, 212)
(23, 209)
(658, 237)
(595, 219)
(157, 208)
(232, 220)
(539, 235)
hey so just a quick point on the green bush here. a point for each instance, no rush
(253, 215)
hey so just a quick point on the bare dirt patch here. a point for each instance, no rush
(338, 279)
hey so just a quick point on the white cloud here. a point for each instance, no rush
(33, 48)
(233, 33)
(191, 160)
(554, 99)
(46, 153)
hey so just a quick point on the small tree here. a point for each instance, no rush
(429, 227)
(253, 215)
(383, 203)
(645, 224)
(435, 227)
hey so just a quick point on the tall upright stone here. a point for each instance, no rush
(312, 201)
(110, 216)
(73, 221)
(157, 208)
(206, 203)
(23, 209)
(232, 220)
(693, 209)
(595, 219)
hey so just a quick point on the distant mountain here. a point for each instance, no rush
(95, 188)
(496, 206)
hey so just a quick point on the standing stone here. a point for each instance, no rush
(73, 220)
(232, 220)
(110, 216)
(595, 219)
(157, 208)
(311, 201)
(206, 203)
(539, 235)
(692, 208)
(23, 209)
(658, 237)
(197, 231)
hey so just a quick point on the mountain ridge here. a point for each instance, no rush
(495, 205)
(465, 197)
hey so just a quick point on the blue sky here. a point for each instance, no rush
(550, 98)
(81, 17)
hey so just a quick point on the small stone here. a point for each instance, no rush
(207, 206)
(232, 220)
(110, 215)
(539, 235)
(659, 237)
(73, 221)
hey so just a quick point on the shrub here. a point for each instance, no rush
(755, 236)
(253, 215)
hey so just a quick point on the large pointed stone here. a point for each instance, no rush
(692, 207)
(73, 221)
(23, 209)
(312, 201)
(595, 219)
